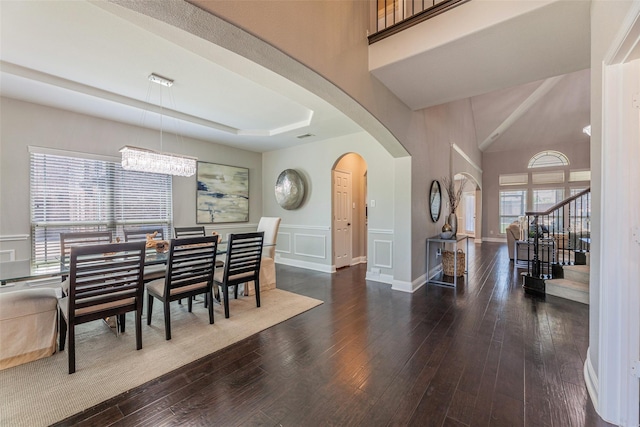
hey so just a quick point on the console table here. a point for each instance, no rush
(438, 242)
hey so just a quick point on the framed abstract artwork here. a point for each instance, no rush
(222, 193)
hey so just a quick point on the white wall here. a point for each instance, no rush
(25, 124)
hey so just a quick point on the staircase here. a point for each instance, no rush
(574, 285)
(561, 242)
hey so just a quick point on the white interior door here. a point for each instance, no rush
(342, 211)
(470, 214)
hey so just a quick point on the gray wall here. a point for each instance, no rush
(25, 124)
(516, 161)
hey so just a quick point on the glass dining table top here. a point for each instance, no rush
(22, 270)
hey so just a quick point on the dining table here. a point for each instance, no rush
(29, 274)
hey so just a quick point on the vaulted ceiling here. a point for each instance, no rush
(95, 57)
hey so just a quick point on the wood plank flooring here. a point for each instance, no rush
(484, 354)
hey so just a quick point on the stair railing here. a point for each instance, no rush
(559, 236)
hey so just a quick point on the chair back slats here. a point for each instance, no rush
(182, 232)
(105, 274)
(140, 233)
(191, 261)
(67, 240)
(244, 254)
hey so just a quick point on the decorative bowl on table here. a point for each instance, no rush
(446, 234)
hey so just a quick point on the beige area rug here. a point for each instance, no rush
(42, 392)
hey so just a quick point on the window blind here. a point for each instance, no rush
(70, 194)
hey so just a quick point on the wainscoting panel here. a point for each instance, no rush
(310, 245)
(7, 255)
(283, 243)
(383, 253)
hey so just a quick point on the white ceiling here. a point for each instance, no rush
(506, 58)
(90, 58)
(94, 58)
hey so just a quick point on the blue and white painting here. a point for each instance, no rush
(222, 194)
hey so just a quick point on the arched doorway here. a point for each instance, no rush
(349, 210)
(470, 210)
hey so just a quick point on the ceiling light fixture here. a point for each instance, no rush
(145, 160)
(587, 130)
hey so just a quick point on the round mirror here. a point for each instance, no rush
(435, 201)
(289, 189)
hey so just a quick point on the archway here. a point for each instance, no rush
(470, 209)
(349, 210)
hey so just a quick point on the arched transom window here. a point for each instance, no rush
(548, 158)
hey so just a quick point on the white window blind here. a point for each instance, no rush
(547, 177)
(70, 194)
(514, 179)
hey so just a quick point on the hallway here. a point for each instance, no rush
(486, 354)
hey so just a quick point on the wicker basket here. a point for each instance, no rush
(448, 259)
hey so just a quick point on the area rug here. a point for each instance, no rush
(42, 392)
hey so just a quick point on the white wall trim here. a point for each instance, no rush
(382, 278)
(591, 379)
(13, 237)
(307, 227)
(288, 237)
(495, 239)
(11, 252)
(375, 253)
(316, 236)
(478, 240)
(359, 260)
(466, 157)
(379, 231)
(68, 153)
(402, 286)
(305, 264)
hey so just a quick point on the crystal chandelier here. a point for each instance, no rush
(140, 159)
(145, 160)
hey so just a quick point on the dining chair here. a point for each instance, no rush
(270, 226)
(79, 238)
(138, 234)
(181, 232)
(242, 265)
(104, 280)
(190, 270)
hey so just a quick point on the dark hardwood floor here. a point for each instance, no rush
(484, 354)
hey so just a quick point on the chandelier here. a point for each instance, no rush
(145, 160)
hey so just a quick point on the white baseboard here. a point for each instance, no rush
(495, 239)
(591, 379)
(305, 264)
(377, 277)
(359, 260)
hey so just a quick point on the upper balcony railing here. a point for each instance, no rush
(393, 16)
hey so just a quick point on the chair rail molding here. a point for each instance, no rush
(13, 237)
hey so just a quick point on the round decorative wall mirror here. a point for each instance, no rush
(435, 201)
(289, 189)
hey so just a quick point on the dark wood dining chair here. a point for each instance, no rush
(182, 232)
(190, 270)
(140, 233)
(104, 280)
(78, 238)
(242, 265)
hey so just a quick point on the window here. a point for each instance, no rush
(512, 205)
(548, 158)
(514, 179)
(543, 199)
(72, 194)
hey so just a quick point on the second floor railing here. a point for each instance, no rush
(393, 16)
